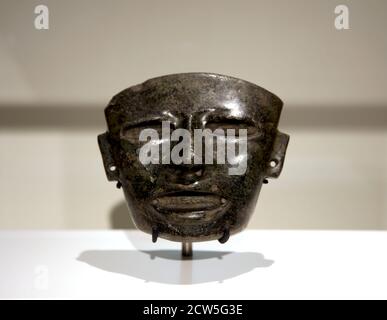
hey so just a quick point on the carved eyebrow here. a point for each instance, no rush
(143, 123)
(230, 120)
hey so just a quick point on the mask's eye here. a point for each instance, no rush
(235, 124)
(131, 133)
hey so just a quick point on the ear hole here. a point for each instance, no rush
(273, 163)
(112, 168)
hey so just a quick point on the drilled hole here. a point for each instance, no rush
(273, 163)
(112, 168)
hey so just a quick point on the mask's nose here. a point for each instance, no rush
(184, 174)
(184, 161)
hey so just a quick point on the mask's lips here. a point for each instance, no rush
(183, 202)
(190, 205)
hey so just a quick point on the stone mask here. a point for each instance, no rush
(192, 202)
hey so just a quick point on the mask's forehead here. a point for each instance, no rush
(192, 93)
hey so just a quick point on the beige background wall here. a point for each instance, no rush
(55, 83)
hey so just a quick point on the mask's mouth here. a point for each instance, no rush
(190, 206)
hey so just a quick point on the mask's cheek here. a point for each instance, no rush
(133, 174)
(258, 163)
(244, 189)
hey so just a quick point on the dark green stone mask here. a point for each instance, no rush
(191, 202)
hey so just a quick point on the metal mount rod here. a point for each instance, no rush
(186, 249)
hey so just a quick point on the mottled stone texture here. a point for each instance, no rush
(193, 202)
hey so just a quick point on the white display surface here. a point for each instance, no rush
(252, 265)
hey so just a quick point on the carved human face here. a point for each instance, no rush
(193, 202)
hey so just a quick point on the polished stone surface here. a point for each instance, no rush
(221, 204)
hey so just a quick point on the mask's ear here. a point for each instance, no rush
(107, 156)
(277, 158)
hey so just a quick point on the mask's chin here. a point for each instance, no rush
(187, 219)
(176, 233)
